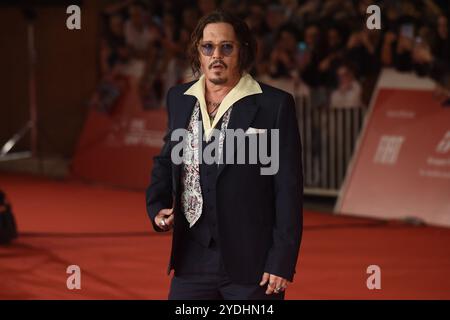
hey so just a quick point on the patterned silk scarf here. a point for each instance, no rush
(191, 196)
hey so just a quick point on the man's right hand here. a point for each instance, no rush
(164, 219)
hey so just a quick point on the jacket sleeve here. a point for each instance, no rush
(288, 186)
(159, 192)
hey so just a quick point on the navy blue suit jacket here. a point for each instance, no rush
(259, 217)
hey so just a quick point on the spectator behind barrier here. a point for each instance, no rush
(348, 93)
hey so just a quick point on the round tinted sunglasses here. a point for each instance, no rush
(208, 48)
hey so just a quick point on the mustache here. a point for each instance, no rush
(217, 62)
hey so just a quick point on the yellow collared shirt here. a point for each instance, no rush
(245, 87)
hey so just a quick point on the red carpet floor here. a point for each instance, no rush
(107, 233)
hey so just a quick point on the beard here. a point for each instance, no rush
(219, 80)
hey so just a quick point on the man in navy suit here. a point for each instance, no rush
(236, 229)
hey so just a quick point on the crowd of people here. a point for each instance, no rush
(320, 48)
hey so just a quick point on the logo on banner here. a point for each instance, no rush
(444, 145)
(134, 133)
(388, 149)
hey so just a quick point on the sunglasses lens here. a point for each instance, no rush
(227, 49)
(207, 49)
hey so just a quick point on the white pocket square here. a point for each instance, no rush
(251, 130)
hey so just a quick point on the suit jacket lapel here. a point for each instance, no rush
(183, 113)
(242, 115)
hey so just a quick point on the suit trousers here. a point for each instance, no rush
(201, 275)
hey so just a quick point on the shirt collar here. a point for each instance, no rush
(245, 87)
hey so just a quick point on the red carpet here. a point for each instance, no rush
(107, 233)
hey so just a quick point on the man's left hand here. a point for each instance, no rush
(276, 284)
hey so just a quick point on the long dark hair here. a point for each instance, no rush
(247, 43)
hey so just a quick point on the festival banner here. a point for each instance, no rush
(117, 146)
(401, 168)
